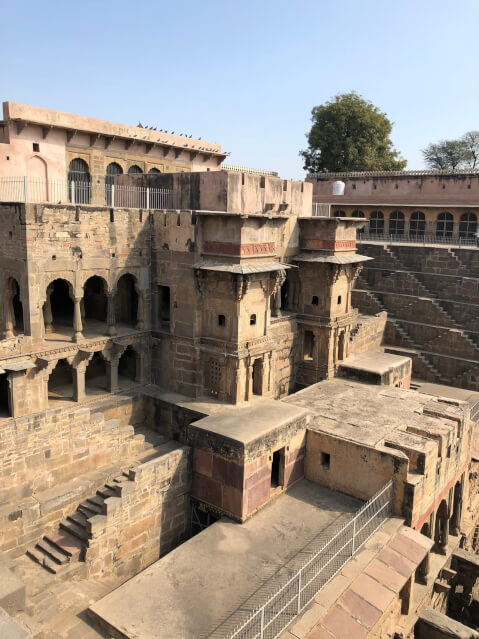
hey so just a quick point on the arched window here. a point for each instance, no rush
(417, 223)
(111, 170)
(94, 299)
(357, 214)
(154, 170)
(467, 225)
(396, 223)
(135, 169)
(376, 223)
(79, 182)
(444, 225)
(339, 214)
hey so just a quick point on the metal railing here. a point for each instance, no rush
(416, 238)
(244, 169)
(58, 191)
(290, 599)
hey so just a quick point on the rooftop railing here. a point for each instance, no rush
(245, 169)
(426, 239)
(291, 598)
(82, 191)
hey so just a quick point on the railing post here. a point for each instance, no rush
(25, 188)
(262, 623)
(353, 545)
(72, 185)
(299, 592)
(113, 195)
(147, 197)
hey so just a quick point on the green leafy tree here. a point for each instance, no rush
(446, 154)
(350, 134)
(471, 141)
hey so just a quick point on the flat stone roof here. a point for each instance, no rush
(250, 421)
(374, 361)
(448, 392)
(370, 414)
(191, 591)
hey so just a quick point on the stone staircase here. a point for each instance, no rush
(62, 551)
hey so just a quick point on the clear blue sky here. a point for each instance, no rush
(246, 74)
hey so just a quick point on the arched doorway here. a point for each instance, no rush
(126, 300)
(376, 223)
(79, 182)
(37, 179)
(95, 375)
(134, 169)
(111, 170)
(444, 225)
(257, 380)
(396, 223)
(154, 170)
(58, 308)
(358, 214)
(13, 310)
(127, 366)
(60, 382)
(95, 301)
(467, 226)
(5, 408)
(417, 224)
(441, 536)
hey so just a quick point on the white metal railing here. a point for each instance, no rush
(245, 169)
(290, 599)
(58, 191)
(321, 210)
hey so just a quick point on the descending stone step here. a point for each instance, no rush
(40, 558)
(75, 530)
(97, 501)
(58, 556)
(89, 510)
(65, 542)
(106, 492)
(78, 518)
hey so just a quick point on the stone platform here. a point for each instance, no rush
(203, 583)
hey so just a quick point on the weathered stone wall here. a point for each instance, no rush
(43, 456)
(149, 516)
(368, 334)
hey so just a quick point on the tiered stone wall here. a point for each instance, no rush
(431, 295)
(149, 516)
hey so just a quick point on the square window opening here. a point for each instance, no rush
(221, 320)
(315, 300)
(277, 469)
(252, 319)
(339, 299)
(325, 460)
(36, 147)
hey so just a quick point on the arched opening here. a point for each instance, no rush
(396, 223)
(467, 225)
(444, 225)
(5, 409)
(111, 170)
(14, 309)
(95, 375)
(127, 365)
(456, 516)
(154, 170)
(60, 305)
(95, 300)
(358, 214)
(37, 179)
(126, 300)
(417, 224)
(426, 529)
(442, 527)
(60, 382)
(339, 214)
(135, 169)
(79, 182)
(376, 223)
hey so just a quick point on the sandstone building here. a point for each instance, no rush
(191, 403)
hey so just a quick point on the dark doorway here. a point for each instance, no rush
(308, 345)
(284, 295)
(127, 364)
(95, 374)
(341, 344)
(277, 469)
(94, 299)
(164, 307)
(61, 304)
(258, 377)
(60, 382)
(17, 306)
(126, 300)
(5, 410)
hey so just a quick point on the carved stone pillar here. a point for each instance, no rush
(423, 570)
(456, 512)
(77, 323)
(112, 375)
(9, 318)
(140, 324)
(111, 315)
(47, 313)
(79, 382)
